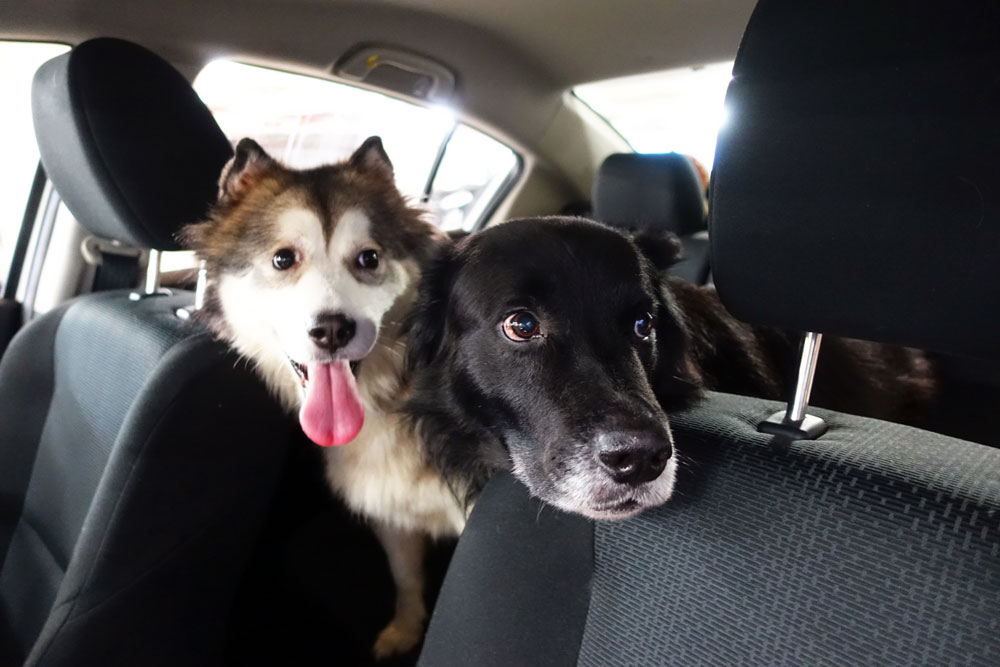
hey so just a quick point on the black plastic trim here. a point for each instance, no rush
(438, 159)
(24, 234)
(43, 235)
(513, 176)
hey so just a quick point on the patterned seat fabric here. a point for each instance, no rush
(877, 545)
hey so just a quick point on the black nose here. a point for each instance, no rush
(635, 458)
(332, 331)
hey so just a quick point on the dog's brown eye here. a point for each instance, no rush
(643, 326)
(283, 259)
(368, 259)
(521, 326)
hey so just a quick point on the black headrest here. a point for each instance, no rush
(660, 192)
(856, 188)
(126, 142)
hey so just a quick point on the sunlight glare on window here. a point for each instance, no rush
(306, 121)
(18, 62)
(677, 110)
(475, 168)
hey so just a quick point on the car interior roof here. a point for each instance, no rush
(514, 60)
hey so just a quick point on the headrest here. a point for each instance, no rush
(126, 142)
(856, 188)
(659, 192)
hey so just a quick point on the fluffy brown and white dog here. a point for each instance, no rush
(310, 275)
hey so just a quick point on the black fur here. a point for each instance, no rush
(480, 401)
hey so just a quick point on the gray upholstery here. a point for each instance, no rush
(139, 455)
(877, 545)
(518, 587)
(143, 458)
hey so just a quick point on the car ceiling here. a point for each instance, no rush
(514, 59)
(585, 40)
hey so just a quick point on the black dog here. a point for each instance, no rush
(557, 345)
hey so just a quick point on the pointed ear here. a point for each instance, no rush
(662, 249)
(194, 236)
(371, 157)
(244, 169)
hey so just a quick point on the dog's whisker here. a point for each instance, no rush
(399, 352)
(538, 515)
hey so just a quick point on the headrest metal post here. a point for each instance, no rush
(152, 285)
(793, 422)
(201, 286)
(187, 312)
(804, 381)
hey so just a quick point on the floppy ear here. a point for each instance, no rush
(663, 249)
(247, 166)
(371, 157)
(426, 324)
(677, 379)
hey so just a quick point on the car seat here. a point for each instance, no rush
(138, 454)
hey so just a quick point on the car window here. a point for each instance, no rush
(678, 110)
(475, 170)
(18, 62)
(306, 121)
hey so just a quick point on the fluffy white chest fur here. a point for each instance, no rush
(382, 474)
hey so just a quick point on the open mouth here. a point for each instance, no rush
(627, 505)
(302, 370)
(331, 412)
(621, 508)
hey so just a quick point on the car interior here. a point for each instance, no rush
(157, 506)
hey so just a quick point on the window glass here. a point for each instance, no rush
(677, 110)
(306, 121)
(18, 62)
(475, 168)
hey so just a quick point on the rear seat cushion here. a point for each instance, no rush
(874, 545)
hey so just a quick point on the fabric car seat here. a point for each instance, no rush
(855, 192)
(138, 455)
(656, 193)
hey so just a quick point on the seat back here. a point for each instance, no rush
(875, 545)
(143, 455)
(656, 193)
(139, 454)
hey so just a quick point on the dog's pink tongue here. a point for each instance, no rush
(331, 413)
